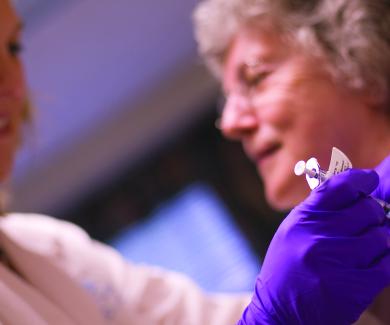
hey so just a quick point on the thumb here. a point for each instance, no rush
(383, 168)
(383, 190)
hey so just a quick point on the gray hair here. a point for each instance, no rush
(352, 35)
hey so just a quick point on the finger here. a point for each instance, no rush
(357, 252)
(376, 276)
(380, 268)
(383, 190)
(383, 169)
(365, 214)
(360, 285)
(351, 221)
(343, 189)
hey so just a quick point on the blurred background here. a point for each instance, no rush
(123, 140)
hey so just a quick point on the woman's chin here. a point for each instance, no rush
(284, 200)
(279, 205)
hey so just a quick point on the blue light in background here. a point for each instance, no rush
(193, 233)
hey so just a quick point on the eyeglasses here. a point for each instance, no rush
(249, 78)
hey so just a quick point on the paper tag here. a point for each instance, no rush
(338, 162)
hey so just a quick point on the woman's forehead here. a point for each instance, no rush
(257, 46)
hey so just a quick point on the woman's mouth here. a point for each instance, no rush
(267, 153)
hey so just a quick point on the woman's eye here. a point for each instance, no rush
(15, 48)
(253, 75)
(257, 78)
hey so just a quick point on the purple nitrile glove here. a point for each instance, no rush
(328, 260)
(383, 190)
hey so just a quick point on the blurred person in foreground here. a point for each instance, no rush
(51, 272)
(300, 77)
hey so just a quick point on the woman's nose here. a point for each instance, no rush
(238, 118)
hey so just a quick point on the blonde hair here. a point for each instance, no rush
(352, 35)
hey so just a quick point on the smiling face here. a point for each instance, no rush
(12, 87)
(284, 107)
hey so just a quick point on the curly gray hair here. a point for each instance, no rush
(353, 35)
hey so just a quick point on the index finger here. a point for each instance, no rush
(341, 190)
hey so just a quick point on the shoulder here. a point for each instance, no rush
(36, 230)
(64, 243)
(94, 266)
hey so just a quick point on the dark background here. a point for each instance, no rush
(199, 154)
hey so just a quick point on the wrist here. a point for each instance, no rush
(256, 314)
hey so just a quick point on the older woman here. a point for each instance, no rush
(300, 77)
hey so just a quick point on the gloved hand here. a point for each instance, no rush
(383, 190)
(328, 259)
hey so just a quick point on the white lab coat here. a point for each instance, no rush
(64, 277)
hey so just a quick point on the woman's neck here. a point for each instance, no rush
(375, 145)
